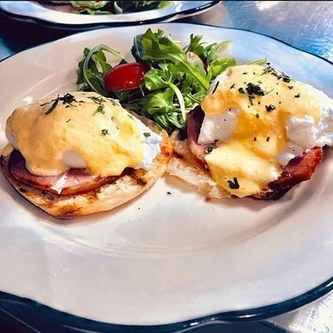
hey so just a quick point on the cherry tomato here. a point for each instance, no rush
(125, 76)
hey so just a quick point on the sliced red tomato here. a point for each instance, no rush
(124, 77)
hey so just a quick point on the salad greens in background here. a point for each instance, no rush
(116, 7)
(176, 78)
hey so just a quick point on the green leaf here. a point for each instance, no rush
(218, 66)
(160, 102)
(154, 47)
(155, 79)
(93, 67)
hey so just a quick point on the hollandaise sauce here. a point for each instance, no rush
(246, 112)
(76, 130)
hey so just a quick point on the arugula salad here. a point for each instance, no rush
(164, 82)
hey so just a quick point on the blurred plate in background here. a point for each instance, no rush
(32, 10)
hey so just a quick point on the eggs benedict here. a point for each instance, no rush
(258, 132)
(80, 153)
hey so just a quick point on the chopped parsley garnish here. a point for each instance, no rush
(280, 76)
(65, 99)
(100, 109)
(105, 131)
(233, 184)
(53, 106)
(254, 89)
(208, 149)
(97, 100)
(251, 98)
(100, 101)
(270, 107)
(216, 85)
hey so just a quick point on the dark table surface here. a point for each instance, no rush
(306, 25)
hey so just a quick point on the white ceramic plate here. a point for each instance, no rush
(38, 13)
(168, 256)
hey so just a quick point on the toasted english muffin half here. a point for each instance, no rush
(129, 185)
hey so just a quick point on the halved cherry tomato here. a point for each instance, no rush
(124, 77)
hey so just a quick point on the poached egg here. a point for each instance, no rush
(81, 130)
(260, 119)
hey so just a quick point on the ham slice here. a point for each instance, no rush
(193, 129)
(74, 181)
(296, 171)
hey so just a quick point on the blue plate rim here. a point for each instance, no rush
(47, 316)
